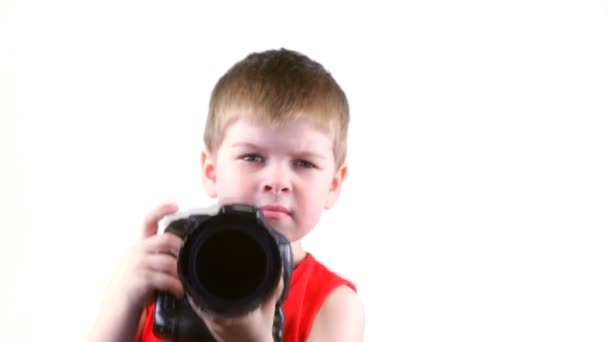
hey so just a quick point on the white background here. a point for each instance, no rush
(476, 205)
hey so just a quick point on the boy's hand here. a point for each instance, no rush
(152, 263)
(255, 326)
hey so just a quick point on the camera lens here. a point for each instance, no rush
(230, 265)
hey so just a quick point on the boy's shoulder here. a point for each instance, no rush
(311, 271)
(317, 295)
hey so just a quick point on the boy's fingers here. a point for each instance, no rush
(163, 263)
(151, 220)
(163, 243)
(166, 282)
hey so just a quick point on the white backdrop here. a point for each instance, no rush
(476, 205)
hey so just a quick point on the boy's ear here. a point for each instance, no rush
(209, 176)
(336, 186)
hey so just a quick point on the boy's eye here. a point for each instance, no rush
(305, 164)
(253, 157)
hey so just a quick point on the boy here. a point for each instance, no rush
(275, 138)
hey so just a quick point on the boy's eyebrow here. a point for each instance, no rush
(256, 147)
(312, 155)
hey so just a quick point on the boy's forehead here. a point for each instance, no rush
(256, 116)
(255, 125)
(298, 133)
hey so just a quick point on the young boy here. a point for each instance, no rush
(275, 138)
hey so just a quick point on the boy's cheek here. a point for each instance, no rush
(234, 188)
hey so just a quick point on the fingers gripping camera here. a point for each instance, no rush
(230, 262)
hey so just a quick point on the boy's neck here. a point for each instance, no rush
(298, 252)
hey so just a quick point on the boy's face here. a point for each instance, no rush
(289, 171)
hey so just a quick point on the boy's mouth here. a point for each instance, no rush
(275, 212)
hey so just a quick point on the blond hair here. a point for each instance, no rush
(274, 87)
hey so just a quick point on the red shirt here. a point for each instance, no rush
(311, 283)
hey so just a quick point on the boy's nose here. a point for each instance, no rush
(277, 182)
(276, 188)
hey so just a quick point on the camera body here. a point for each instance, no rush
(230, 262)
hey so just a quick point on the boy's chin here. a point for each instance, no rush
(286, 229)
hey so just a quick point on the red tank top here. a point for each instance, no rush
(311, 283)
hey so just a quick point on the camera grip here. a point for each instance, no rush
(175, 319)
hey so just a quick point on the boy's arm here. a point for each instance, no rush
(115, 323)
(340, 318)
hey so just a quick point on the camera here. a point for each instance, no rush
(230, 262)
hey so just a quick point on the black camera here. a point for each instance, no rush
(230, 262)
